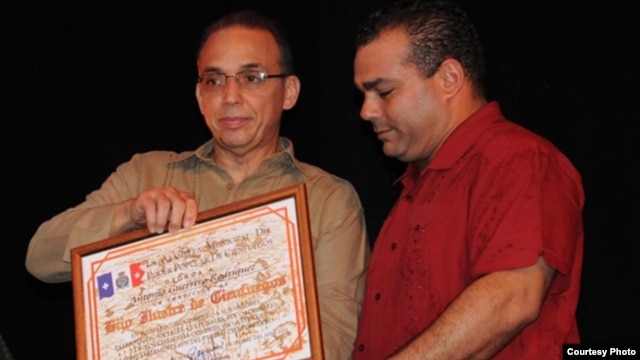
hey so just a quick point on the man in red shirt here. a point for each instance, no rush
(481, 255)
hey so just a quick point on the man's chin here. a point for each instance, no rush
(390, 151)
(231, 145)
(234, 140)
(398, 155)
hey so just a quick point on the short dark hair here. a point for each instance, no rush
(438, 29)
(254, 20)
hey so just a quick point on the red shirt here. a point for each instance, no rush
(494, 197)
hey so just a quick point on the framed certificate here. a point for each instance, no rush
(239, 284)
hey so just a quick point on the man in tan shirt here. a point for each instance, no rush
(245, 82)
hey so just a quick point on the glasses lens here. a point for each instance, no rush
(212, 82)
(246, 80)
(250, 79)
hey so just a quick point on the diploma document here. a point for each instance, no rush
(239, 284)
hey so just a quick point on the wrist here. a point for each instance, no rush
(123, 218)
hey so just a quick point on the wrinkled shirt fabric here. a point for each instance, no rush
(338, 231)
(494, 197)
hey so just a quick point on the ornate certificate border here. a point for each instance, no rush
(240, 284)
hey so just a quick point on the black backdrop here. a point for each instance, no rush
(85, 87)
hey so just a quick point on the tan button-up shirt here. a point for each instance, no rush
(338, 230)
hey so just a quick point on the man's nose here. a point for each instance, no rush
(369, 110)
(231, 93)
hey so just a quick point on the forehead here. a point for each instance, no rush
(383, 56)
(237, 47)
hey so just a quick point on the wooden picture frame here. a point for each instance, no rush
(240, 283)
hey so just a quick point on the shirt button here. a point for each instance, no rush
(229, 186)
(393, 246)
(377, 296)
(410, 198)
(361, 347)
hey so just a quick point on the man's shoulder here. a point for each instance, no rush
(491, 131)
(507, 136)
(327, 190)
(322, 181)
(153, 160)
(316, 173)
(161, 156)
(510, 143)
(312, 173)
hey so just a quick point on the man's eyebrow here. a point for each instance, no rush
(211, 70)
(368, 85)
(215, 69)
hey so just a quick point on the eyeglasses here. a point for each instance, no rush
(213, 82)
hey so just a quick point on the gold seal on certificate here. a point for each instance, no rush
(239, 284)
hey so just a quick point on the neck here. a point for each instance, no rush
(240, 165)
(463, 110)
(457, 112)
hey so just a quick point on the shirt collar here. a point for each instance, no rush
(285, 156)
(459, 141)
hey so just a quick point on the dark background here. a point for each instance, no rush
(85, 87)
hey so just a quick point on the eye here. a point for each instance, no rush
(212, 80)
(384, 93)
(253, 76)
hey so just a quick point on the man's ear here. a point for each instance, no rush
(452, 77)
(291, 91)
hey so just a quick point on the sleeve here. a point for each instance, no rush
(48, 257)
(341, 255)
(529, 206)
